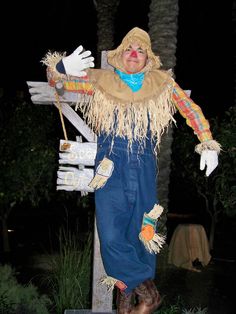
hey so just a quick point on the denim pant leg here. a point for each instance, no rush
(120, 205)
(143, 172)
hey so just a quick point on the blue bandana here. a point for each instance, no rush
(134, 81)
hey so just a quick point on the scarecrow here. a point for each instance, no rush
(129, 109)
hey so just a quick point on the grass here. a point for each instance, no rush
(70, 278)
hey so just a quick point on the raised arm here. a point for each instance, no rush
(70, 69)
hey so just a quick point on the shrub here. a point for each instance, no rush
(15, 298)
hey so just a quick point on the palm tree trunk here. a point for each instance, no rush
(234, 56)
(163, 32)
(106, 10)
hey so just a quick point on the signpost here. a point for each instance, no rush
(75, 177)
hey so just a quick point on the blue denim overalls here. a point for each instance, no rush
(120, 204)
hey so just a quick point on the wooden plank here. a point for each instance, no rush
(75, 153)
(42, 93)
(74, 179)
(101, 298)
(78, 122)
(87, 312)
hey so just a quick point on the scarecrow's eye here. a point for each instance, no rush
(140, 50)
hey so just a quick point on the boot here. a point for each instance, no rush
(148, 298)
(124, 302)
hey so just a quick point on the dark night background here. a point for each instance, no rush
(204, 49)
(205, 55)
(29, 29)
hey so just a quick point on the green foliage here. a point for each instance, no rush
(197, 310)
(171, 309)
(225, 181)
(70, 277)
(29, 137)
(28, 152)
(219, 189)
(179, 307)
(15, 298)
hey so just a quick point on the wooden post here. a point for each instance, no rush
(102, 300)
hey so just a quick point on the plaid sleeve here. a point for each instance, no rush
(192, 113)
(56, 72)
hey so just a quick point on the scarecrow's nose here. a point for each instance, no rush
(134, 54)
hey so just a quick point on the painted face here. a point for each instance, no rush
(134, 58)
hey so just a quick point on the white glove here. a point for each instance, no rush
(209, 159)
(77, 62)
(72, 179)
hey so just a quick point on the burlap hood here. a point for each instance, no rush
(139, 36)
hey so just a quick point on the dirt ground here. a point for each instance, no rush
(213, 287)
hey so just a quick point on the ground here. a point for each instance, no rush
(212, 288)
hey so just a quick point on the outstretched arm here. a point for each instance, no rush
(208, 148)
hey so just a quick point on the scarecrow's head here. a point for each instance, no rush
(134, 54)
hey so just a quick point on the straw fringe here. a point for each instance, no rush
(50, 60)
(109, 282)
(156, 243)
(156, 212)
(104, 115)
(211, 145)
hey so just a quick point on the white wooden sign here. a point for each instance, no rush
(75, 153)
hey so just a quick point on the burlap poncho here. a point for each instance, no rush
(117, 111)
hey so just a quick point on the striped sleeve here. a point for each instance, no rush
(192, 113)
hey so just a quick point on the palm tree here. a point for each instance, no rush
(163, 25)
(106, 11)
(234, 56)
